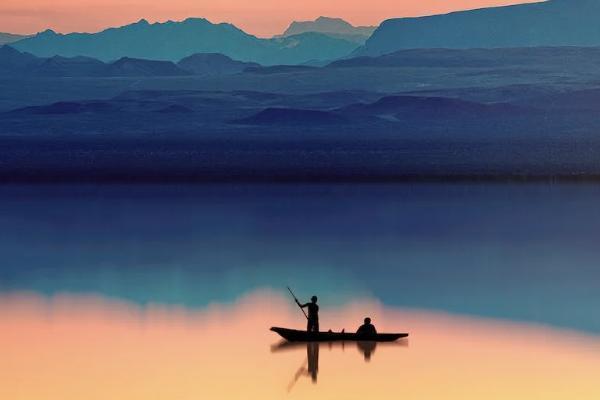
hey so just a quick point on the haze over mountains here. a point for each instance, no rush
(6, 38)
(550, 23)
(172, 41)
(490, 111)
(335, 27)
(14, 63)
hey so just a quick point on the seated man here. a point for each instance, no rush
(367, 329)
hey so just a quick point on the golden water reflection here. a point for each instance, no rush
(310, 366)
(84, 347)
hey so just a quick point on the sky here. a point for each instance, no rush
(259, 17)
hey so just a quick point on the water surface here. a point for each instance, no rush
(169, 291)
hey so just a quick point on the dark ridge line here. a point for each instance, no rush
(37, 178)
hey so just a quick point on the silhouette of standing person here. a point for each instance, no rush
(313, 314)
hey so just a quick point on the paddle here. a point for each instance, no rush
(297, 302)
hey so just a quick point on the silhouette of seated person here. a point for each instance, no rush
(367, 329)
(313, 314)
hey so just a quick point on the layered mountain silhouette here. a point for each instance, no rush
(6, 38)
(172, 41)
(214, 64)
(292, 116)
(535, 57)
(335, 27)
(127, 66)
(16, 63)
(388, 108)
(550, 23)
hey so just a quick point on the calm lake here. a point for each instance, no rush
(168, 292)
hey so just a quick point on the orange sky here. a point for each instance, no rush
(259, 17)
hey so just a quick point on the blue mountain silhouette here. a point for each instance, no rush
(213, 64)
(551, 23)
(335, 27)
(6, 38)
(16, 63)
(172, 41)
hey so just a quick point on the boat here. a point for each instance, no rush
(294, 335)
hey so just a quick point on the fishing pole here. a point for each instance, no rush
(297, 302)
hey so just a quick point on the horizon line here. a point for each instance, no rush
(217, 21)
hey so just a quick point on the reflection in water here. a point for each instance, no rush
(312, 353)
(517, 252)
(310, 365)
(367, 348)
(94, 348)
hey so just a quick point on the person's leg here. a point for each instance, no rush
(316, 326)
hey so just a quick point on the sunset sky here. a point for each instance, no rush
(259, 17)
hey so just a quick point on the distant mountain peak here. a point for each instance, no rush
(332, 19)
(196, 20)
(331, 26)
(327, 25)
(173, 41)
(47, 32)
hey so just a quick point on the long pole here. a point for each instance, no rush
(297, 302)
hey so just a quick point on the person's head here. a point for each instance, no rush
(367, 321)
(313, 299)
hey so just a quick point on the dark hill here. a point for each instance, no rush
(403, 107)
(137, 67)
(58, 66)
(68, 107)
(290, 116)
(14, 62)
(278, 69)
(538, 57)
(213, 64)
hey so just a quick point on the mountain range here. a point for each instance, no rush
(335, 27)
(6, 38)
(172, 41)
(14, 63)
(549, 23)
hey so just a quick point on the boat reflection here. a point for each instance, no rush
(367, 348)
(310, 365)
(74, 347)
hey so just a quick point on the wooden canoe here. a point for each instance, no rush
(294, 335)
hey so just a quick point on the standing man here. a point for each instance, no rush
(313, 314)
